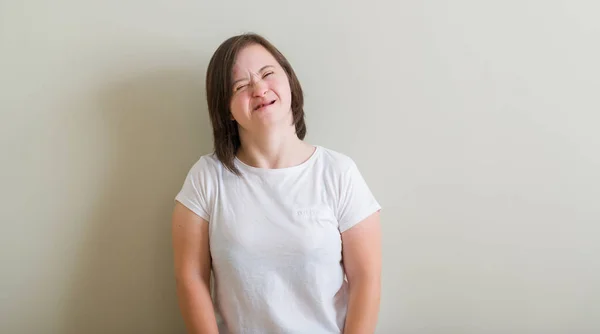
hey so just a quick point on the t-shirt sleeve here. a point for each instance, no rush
(356, 200)
(193, 193)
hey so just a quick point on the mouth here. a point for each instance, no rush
(263, 105)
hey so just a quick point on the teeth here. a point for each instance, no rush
(264, 105)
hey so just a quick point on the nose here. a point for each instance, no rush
(259, 88)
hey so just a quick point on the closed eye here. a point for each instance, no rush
(267, 74)
(240, 87)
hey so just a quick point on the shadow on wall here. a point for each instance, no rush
(157, 126)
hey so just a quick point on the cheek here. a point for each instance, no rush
(284, 90)
(237, 104)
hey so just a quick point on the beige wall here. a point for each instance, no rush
(476, 124)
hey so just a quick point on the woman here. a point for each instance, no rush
(280, 223)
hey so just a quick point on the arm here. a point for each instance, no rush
(192, 270)
(361, 252)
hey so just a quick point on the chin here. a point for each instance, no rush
(276, 117)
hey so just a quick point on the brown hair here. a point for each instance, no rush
(219, 92)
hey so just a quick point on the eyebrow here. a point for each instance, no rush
(262, 69)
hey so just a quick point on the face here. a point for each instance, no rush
(261, 95)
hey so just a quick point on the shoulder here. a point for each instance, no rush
(206, 165)
(336, 161)
(336, 166)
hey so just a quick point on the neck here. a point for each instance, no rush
(279, 148)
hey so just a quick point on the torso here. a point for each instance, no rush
(275, 240)
(276, 250)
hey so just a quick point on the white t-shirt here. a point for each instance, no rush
(275, 240)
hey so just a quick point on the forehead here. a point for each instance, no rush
(252, 58)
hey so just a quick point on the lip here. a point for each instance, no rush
(264, 105)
